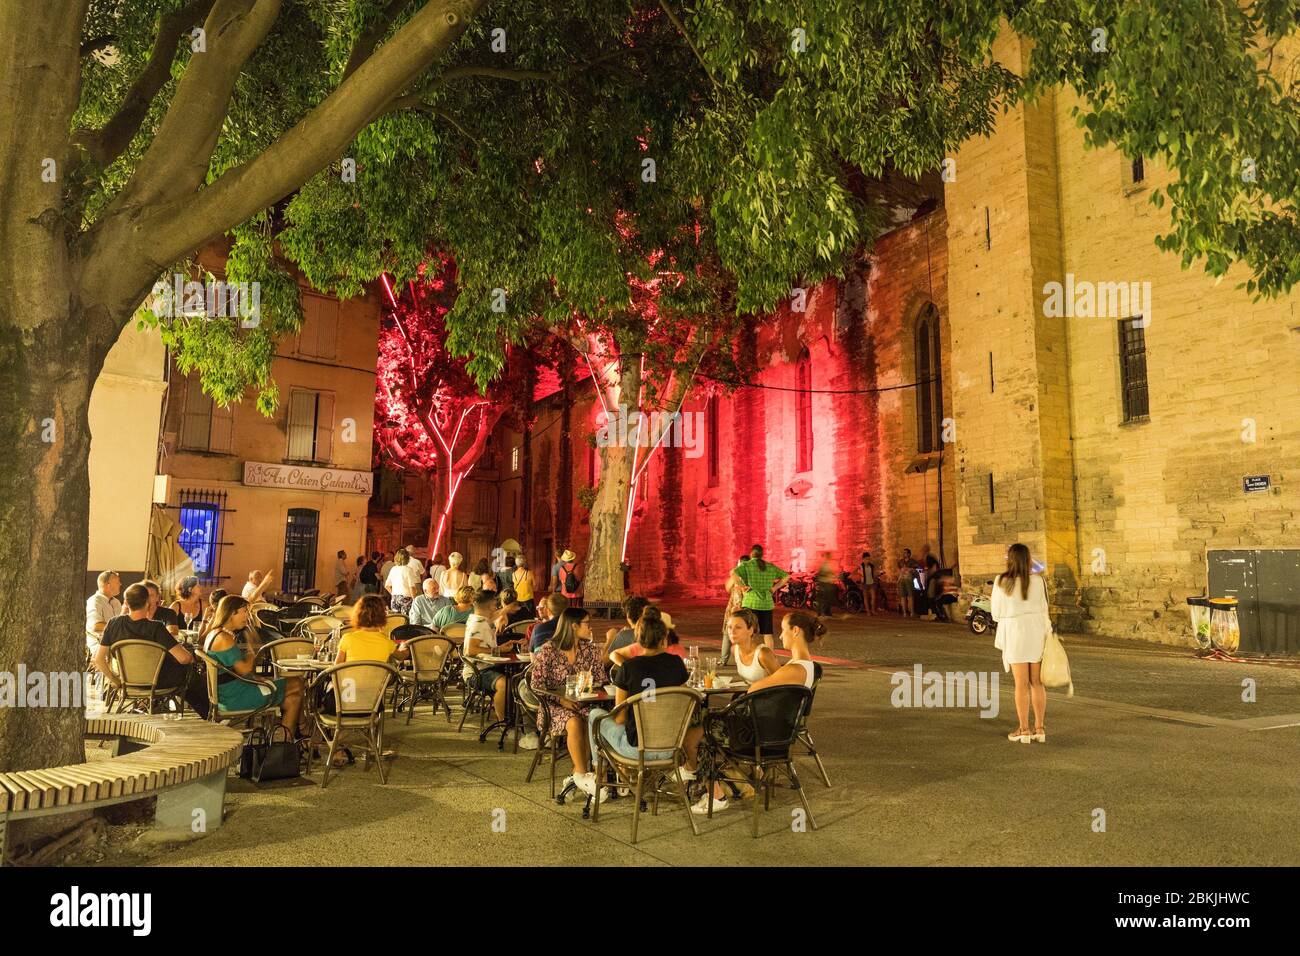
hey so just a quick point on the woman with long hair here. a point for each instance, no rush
(754, 660)
(232, 694)
(189, 604)
(569, 651)
(1019, 607)
(735, 595)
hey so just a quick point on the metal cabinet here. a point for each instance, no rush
(1266, 584)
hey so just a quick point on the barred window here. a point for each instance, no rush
(1133, 369)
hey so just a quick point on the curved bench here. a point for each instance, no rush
(181, 762)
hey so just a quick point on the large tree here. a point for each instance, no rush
(349, 135)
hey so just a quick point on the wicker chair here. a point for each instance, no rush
(137, 665)
(662, 717)
(213, 671)
(358, 688)
(427, 677)
(394, 621)
(552, 744)
(475, 699)
(319, 627)
(342, 612)
(761, 728)
(284, 649)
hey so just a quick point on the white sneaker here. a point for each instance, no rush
(586, 782)
(686, 774)
(702, 805)
(529, 742)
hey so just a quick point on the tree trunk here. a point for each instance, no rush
(45, 382)
(604, 574)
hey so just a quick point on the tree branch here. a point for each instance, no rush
(370, 37)
(106, 144)
(136, 240)
(681, 28)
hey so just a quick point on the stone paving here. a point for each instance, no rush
(1162, 744)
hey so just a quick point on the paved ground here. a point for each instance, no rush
(1184, 771)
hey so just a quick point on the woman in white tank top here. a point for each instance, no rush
(754, 660)
(798, 630)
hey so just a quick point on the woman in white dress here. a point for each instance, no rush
(1020, 610)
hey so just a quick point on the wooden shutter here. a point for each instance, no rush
(220, 437)
(324, 427)
(196, 416)
(302, 424)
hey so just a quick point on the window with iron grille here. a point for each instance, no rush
(929, 381)
(803, 416)
(1133, 369)
(310, 426)
(205, 425)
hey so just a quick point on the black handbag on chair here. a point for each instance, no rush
(266, 758)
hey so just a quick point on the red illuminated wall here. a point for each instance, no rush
(858, 493)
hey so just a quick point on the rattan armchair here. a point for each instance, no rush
(137, 665)
(358, 689)
(663, 716)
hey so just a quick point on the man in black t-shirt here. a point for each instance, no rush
(177, 666)
(163, 615)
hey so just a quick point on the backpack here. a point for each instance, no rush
(569, 582)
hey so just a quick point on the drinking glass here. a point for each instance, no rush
(693, 652)
(571, 686)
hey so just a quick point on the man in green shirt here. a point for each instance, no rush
(759, 579)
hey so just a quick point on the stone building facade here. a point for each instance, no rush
(1113, 435)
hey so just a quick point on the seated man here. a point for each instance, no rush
(457, 613)
(176, 668)
(512, 612)
(556, 604)
(102, 607)
(481, 638)
(426, 605)
(616, 639)
(163, 615)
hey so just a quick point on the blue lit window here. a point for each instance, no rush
(199, 536)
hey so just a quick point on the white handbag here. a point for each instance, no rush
(1056, 665)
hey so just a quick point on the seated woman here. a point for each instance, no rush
(569, 652)
(754, 660)
(653, 667)
(232, 694)
(189, 605)
(367, 640)
(798, 630)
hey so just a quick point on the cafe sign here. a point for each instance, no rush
(262, 474)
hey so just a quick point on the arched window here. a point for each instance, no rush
(929, 381)
(803, 415)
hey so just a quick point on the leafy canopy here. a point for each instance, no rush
(562, 153)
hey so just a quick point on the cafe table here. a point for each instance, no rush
(513, 664)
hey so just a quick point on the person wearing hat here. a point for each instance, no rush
(564, 576)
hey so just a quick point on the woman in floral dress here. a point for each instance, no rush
(569, 652)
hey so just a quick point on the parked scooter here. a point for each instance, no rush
(796, 592)
(979, 616)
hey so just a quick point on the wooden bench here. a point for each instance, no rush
(181, 762)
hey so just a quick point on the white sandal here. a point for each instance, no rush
(1020, 736)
